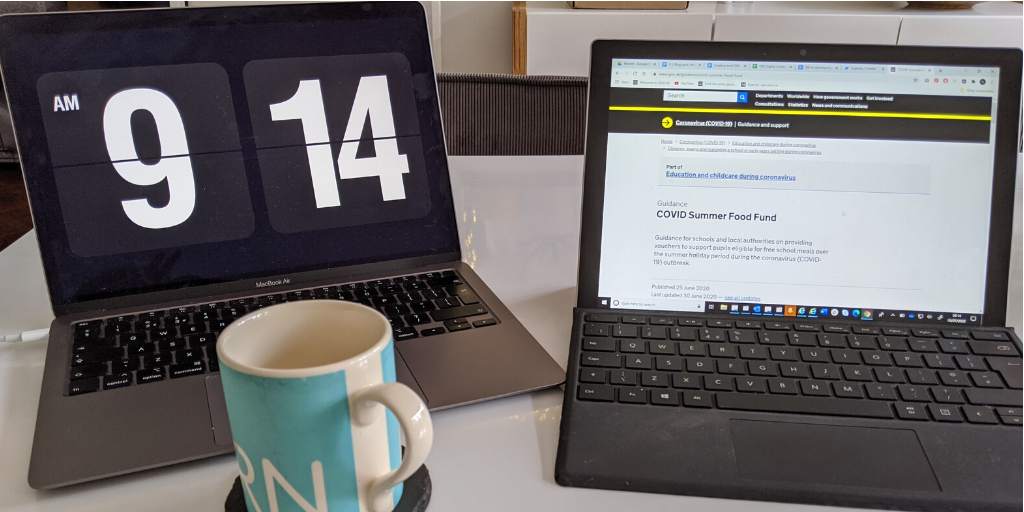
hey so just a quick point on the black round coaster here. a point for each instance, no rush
(415, 494)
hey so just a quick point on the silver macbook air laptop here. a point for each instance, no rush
(185, 167)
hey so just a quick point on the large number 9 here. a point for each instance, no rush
(174, 165)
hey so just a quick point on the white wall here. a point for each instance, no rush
(467, 37)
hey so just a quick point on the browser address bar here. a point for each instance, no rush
(706, 96)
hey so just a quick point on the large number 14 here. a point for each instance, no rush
(373, 99)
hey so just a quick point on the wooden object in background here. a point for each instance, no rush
(629, 5)
(518, 38)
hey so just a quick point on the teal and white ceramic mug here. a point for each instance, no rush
(315, 410)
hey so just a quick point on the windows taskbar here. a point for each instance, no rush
(840, 313)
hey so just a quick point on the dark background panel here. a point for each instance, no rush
(817, 127)
(292, 207)
(274, 81)
(200, 91)
(97, 224)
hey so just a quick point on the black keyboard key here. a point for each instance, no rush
(944, 395)
(777, 326)
(88, 371)
(984, 415)
(857, 373)
(1010, 369)
(893, 344)
(601, 317)
(591, 376)
(771, 338)
(763, 369)
(718, 383)
(665, 348)
(434, 294)
(922, 345)
(189, 355)
(117, 381)
(448, 302)
(840, 356)
(909, 393)
(730, 367)
(690, 322)
(682, 333)
(660, 320)
(863, 342)
(815, 355)
(699, 365)
(638, 362)
(417, 319)
(701, 399)
(907, 360)
(989, 348)
(847, 390)
(596, 393)
(434, 331)
(655, 379)
(890, 375)
(405, 333)
(97, 356)
(782, 386)
(991, 335)
(953, 347)
(459, 312)
(947, 413)
(664, 397)
(685, 381)
(601, 360)
(668, 364)
(738, 336)
(864, 329)
(150, 375)
(832, 340)
(784, 354)
(875, 358)
(794, 370)
(171, 345)
(802, 339)
(880, 392)
(625, 331)
(716, 335)
(938, 361)
(723, 350)
(485, 322)
(1004, 397)
(985, 380)
(633, 319)
(751, 385)
(654, 333)
(959, 335)
(693, 349)
(622, 377)
(458, 326)
(632, 396)
(421, 306)
(83, 386)
(895, 331)
(914, 412)
(836, 328)
(921, 376)
(719, 323)
(599, 344)
(926, 333)
(185, 369)
(971, 362)
(201, 340)
(806, 327)
(632, 347)
(748, 325)
(804, 405)
(157, 360)
(753, 353)
(825, 371)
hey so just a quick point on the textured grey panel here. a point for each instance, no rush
(490, 114)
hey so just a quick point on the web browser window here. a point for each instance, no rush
(844, 187)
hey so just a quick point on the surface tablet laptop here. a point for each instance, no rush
(793, 276)
(187, 166)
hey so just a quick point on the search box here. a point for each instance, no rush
(706, 96)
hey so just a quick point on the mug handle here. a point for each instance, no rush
(415, 422)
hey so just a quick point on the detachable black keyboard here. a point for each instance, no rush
(120, 351)
(943, 374)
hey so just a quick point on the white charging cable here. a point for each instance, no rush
(26, 336)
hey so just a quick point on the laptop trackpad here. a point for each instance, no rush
(218, 411)
(833, 455)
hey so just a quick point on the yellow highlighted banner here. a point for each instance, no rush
(909, 115)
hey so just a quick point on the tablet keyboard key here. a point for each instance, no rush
(914, 412)
(804, 405)
(601, 360)
(975, 414)
(1005, 397)
(991, 335)
(1010, 369)
(594, 376)
(596, 393)
(988, 348)
(632, 396)
(701, 399)
(948, 413)
(664, 397)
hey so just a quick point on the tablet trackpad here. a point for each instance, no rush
(834, 455)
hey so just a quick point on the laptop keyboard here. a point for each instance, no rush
(908, 373)
(122, 351)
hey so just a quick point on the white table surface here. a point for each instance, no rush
(519, 224)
